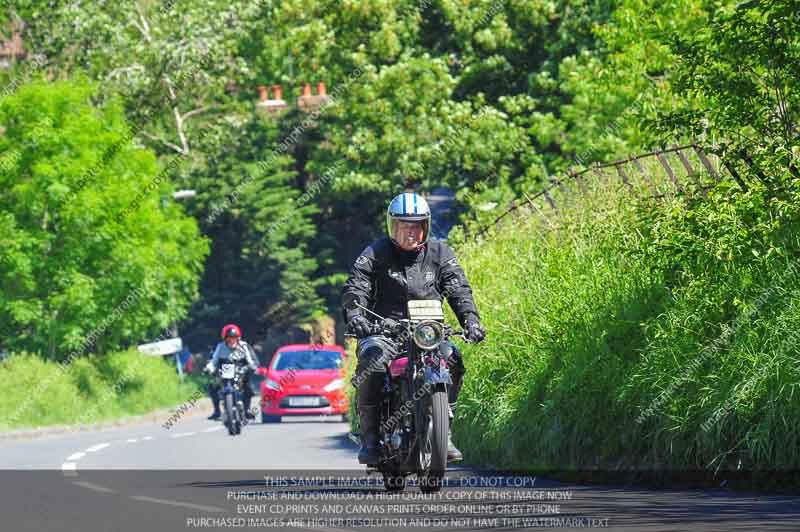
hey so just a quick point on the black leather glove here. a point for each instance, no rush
(473, 331)
(360, 326)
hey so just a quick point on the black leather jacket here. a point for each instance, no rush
(384, 279)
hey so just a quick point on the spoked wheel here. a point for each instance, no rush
(393, 482)
(230, 419)
(433, 445)
(425, 445)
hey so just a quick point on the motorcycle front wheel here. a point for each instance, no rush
(230, 416)
(433, 444)
(241, 419)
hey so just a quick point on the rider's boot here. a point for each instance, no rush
(247, 399)
(368, 419)
(370, 392)
(453, 454)
(213, 394)
(217, 413)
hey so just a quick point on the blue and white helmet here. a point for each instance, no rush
(408, 207)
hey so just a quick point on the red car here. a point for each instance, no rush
(304, 379)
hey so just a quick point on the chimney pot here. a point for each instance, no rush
(321, 88)
(307, 89)
(277, 92)
(262, 93)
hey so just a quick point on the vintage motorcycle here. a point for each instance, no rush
(414, 419)
(231, 375)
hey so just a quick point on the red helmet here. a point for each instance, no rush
(231, 330)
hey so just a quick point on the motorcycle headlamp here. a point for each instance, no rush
(428, 335)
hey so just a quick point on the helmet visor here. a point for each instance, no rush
(408, 233)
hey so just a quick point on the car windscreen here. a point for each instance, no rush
(313, 359)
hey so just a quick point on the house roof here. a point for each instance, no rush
(12, 47)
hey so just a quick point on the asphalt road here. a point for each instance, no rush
(302, 475)
(191, 443)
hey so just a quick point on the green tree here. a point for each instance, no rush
(743, 69)
(604, 92)
(72, 263)
(260, 224)
(398, 127)
(175, 62)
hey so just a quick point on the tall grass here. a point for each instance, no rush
(628, 335)
(38, 393)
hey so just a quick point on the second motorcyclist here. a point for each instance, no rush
(234, 349)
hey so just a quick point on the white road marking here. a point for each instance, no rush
(214, 429)
(95, 448)
(178, 503)
(94, 487)
(147, 438)
(76, 456)
(69, 469)
(183, 434)
(132, 440)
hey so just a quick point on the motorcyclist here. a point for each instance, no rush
(405, 264)
(234, 349)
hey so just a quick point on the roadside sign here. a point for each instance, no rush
(165, 347)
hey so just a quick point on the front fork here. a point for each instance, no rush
(435, 376)
(437, 369)
(229, 388)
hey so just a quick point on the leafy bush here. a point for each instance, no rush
(645, 336)
(94, 256)
(741, 68)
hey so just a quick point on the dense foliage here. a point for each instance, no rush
(659, 335)
(624, 334)
(742, 69)
(425, 94)
(95, 252)
(634, 336)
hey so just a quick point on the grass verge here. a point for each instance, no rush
(626, 336)
(91, 389)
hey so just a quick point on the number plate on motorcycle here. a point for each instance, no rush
(422, 309)
(304, 401)
(227, 371)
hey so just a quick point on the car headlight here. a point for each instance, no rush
(334, 385)
(269, 383)
(428, 335)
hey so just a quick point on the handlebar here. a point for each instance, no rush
(380, 328)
